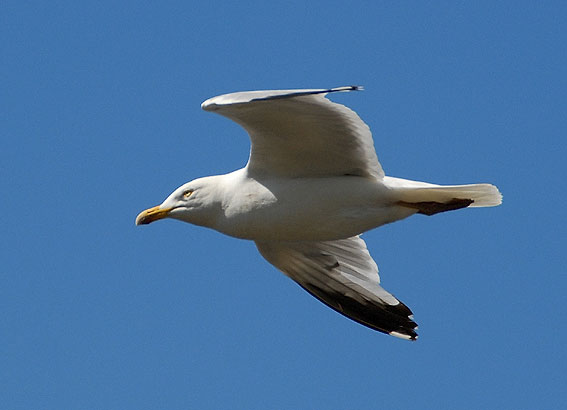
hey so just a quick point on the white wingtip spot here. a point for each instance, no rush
(402, 336)
(346, 88)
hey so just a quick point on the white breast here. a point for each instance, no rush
(306, 208)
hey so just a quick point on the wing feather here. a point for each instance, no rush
(300, 133)
(343, 275)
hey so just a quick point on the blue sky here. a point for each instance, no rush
(101, 119)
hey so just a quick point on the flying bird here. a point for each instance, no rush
(311, 187)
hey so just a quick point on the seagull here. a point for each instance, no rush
(311, 187)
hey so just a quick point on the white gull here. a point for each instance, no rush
(312, 185)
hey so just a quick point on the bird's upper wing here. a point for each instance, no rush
(343, 275)
(300, 133)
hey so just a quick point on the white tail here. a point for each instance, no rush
(482, 195)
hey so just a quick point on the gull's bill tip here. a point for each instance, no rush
(152, 214)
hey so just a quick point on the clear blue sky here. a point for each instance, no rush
(100, 119)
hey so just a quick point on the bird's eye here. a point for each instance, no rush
(187, 193)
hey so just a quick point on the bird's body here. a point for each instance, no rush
(312, 185)
(316, 209)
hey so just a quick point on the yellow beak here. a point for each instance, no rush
(152, 214)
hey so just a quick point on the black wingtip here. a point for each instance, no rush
(395, 320)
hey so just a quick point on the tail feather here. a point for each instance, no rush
(482, 195)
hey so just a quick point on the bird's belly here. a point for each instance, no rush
(318, 214)
(319, 227)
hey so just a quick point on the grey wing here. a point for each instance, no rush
(343, 275)
(300, 133)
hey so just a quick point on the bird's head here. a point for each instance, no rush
(194, 202)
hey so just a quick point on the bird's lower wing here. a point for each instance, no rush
(343, 275)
